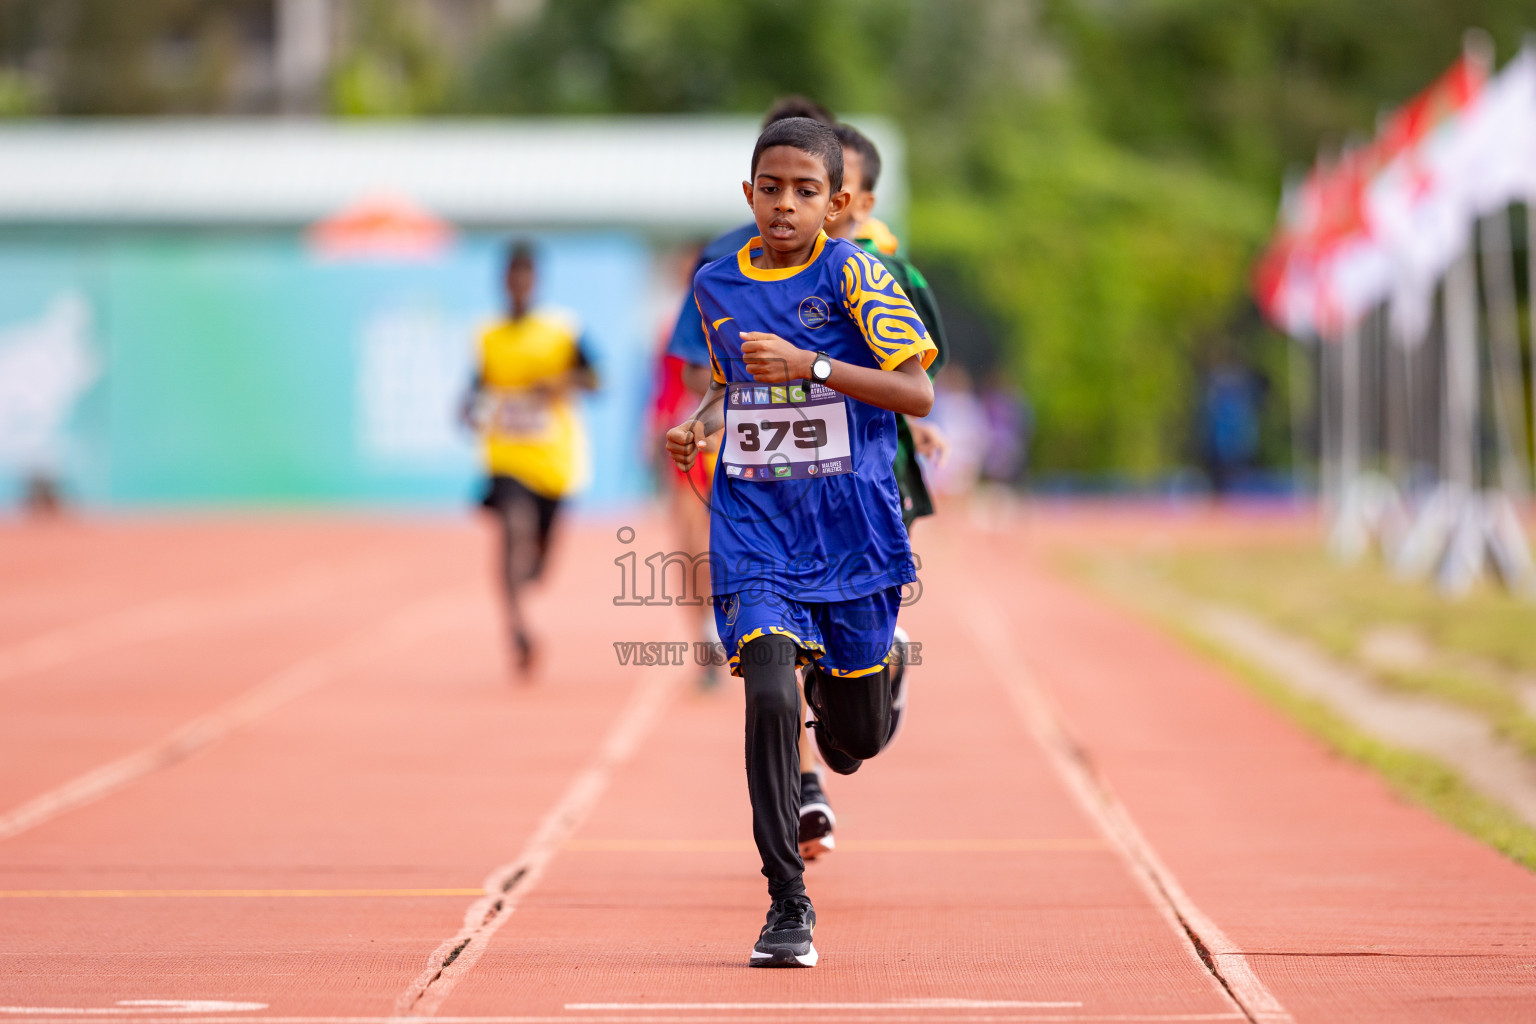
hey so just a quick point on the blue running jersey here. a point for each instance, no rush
(818, 539)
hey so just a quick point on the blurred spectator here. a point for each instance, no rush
(1010, 421)
(47, 365)
(960, 415)
(1229, 423)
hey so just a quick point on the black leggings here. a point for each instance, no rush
(525, 516)
(858, 711)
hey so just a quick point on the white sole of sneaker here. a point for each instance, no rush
(813, 848)
(784, 958)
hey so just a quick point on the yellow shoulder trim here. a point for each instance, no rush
(744, 260)
(926, 350)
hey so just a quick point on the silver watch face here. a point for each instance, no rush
(821, 369)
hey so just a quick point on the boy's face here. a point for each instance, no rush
(791, 198)
(520, 280)
(861, 202)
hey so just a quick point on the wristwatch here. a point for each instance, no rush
(821, 367)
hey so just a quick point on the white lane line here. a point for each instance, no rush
(1054, 1018)
(176, 614)
(1240, 985)
(406, 626)
(126, 1006)
(220, 894)
(508, 884)
(898, 1004)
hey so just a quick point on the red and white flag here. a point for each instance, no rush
(1331, 261)
(1425, 204)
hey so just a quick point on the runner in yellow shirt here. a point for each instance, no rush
(523, 404)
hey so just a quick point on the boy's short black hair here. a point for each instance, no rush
(797, 106)
(853, 139)
(521, 253)
(807, 136)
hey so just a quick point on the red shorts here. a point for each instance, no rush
(673, 404)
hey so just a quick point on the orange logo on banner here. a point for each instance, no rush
(382, 226)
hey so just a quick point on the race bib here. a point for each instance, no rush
(794, 431)
(517, 414)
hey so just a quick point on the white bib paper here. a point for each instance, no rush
(515, 414)
(793, 431)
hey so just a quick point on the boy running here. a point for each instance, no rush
(535, 451)
(812, 349)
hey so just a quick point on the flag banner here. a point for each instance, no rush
(1424, 205)
(1329, 262)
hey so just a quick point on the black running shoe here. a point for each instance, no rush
(826, 746)
(816, 819)
(786, 938)
(898, 678)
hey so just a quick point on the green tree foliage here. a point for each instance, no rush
(390, 66)
(1107, 267)
(1257, 86)
(1113, 272)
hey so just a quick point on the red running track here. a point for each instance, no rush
(277, 771)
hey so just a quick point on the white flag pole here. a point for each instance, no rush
(1349, 420)
(1508, 387)
(1349, 534)
(1301, 385)
(1460, 438)
(1327, 432)
(1395, 388)
(1530, 299)
(1462, 563)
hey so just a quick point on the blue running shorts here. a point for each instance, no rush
(845, 638)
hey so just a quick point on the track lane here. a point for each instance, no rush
(1347, 902)
(89, 692)
(414, 773)
(73, 571)
(980, 880)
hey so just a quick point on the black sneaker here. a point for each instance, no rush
(816, 819)
(898, 678)
(786, 938)
(826, 746)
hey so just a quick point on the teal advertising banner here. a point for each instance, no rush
(174, 369)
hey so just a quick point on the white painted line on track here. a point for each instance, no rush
(364, 646)
(898, 1004)
(140, 1006)
(508, 884)
(1239, 984)
(221, 894)
(1053, 1018)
